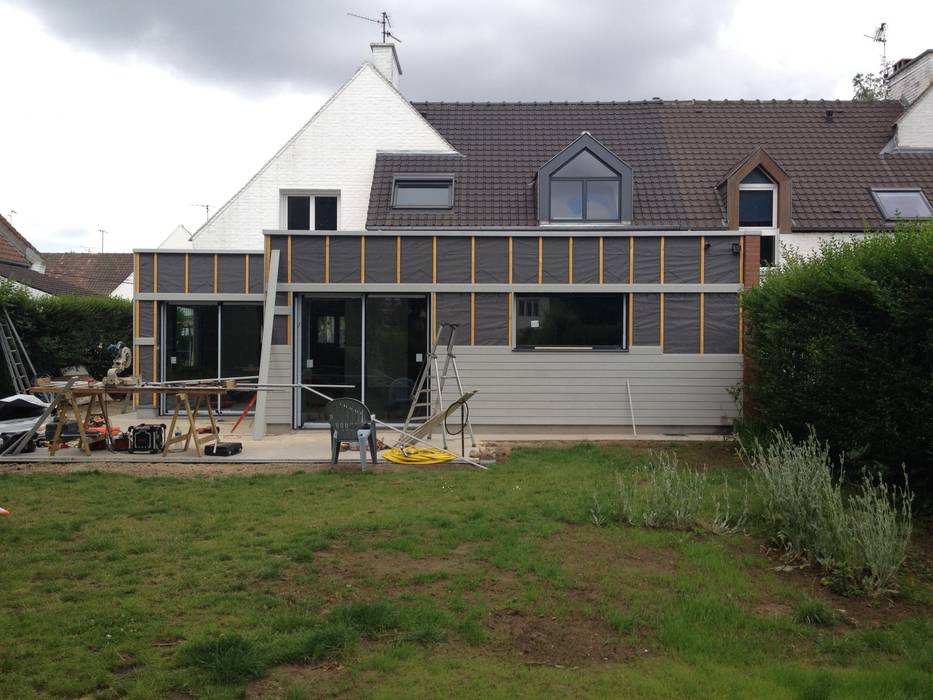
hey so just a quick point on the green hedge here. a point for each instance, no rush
(844, 342)
(63, 331)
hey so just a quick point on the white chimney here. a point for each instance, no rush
(386, 61)
(910, 77)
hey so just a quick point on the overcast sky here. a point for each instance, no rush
(121, 114)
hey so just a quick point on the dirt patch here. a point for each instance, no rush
(278, 682)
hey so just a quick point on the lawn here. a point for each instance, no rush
(425, 583)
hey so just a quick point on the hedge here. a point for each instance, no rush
(63, 331)
(843, 341)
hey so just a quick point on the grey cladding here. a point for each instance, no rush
(720, 263)
(171, 273)
(280, 330)
(585, 260)
(491, 319)
(647, 260)
(615, 260)
(720, 323)
(145, 365)
(524, 260)
(381, 259)
(308, 259)
(257, 273)
(417, 259)
(453, 259)
(492, 260)
(345, 259)
(646, 324)
(454, 308)
(145, 272)
(682, 260)
(146, 319)
(555, 256)
(231, 274)
(200, 274)
(682, 323)
(280, 243)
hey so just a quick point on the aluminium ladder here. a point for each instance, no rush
(428, 393)
(19, 366)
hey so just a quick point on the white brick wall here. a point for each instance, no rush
(909, 83)
(808, 244)
(915, 127)
(335, 150)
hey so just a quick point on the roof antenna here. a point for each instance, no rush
(881, 37)
(102, 234)
(384, 21)
(206, 208)
(12, 212)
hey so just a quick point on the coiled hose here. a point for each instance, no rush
(417, 455)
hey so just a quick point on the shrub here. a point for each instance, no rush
(843, 342)
(812, 611)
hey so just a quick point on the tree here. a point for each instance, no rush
(869, 87)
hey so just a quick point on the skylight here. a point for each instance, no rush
(423, 192)
(905, 203)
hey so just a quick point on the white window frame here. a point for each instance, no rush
(283, 204)
(772, 231)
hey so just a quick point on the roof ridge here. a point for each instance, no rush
(676, 101)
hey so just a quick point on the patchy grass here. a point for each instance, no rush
(423, 583)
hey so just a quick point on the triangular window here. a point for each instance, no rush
(757, 177)
(585, 165)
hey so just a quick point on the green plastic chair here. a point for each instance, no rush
(346, 417)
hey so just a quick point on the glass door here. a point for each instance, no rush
(331, 350)
(240, 345)
(396, 349)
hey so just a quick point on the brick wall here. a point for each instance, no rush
(752, 260)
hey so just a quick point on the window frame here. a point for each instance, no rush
(875, 191)
(584, 181)
(772, 231)
(312, 194)
(414, 178)
(519, 297)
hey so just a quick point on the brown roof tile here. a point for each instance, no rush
(96, 273)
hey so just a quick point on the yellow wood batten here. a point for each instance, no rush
(661, 336)
(472, 263)
(510, 260)
(362, 259)
(702, 311)
(186, 273)
(510, 302)
(631, 319)
(155, 272)
(600, 259)
(289, 271)
(631, 260)
(326, 259)
(398, 259)
(136, 274)
(246, 287)
(472, 317)
(540, 259)
(216, 275)
(662, 259)
(570, 260)
(434, 259)
(155, 345)
(702, 259)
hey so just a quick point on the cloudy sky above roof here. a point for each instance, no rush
(129, 112)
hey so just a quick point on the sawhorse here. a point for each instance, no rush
(184, 409)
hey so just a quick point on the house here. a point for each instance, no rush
(591, 254)
(58, 274)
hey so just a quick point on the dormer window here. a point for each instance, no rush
(423, 191)
(758, 209)
(585, 183)
(902, 203)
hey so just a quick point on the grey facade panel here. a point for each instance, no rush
(280, 330)
(616, 260)
(720, 264)
(585, 260)
(417, 259)
(555, 261)
(524, 260)
(145, 367)
(146, 321)
(308, 259)
(281, 298)
(344, 259)
(453, 259)
(682, 323)
(454, 308)
(491, 319)
(279, 402)
(720, 323)
(257, 273)
(280, 243)
(171, 273)
(381, 259)
(231, 273)
(647, 260)
(200, 273)
(682, 260)
(492, 260)
(144, 283)
(646, 324)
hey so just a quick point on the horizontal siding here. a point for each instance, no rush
(588, 388)
(279, 402)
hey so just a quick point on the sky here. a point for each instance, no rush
(125, 115)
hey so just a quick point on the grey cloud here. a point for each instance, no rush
(480, 50)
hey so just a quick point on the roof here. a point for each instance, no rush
(37, 280)
(13, 243)
(95, 273)
(679, 151)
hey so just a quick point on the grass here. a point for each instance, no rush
(418, 584)
(811, 611)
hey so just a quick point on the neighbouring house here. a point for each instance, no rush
(58, 274)
(591, 253)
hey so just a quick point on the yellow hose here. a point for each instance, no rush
(417, 455)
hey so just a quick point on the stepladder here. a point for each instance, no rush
(427, 397)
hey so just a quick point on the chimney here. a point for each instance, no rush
(909, 77)
(385, 59)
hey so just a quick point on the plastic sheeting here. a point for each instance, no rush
(145, 272)
(281, 298)
(257, 273)
(454, 308)
(145, 363)
(280, 330)
(524, 260)
(585, 260)
(307, 259)
(171, 273)
(647, 260)
(720, 264)
(681, 323)
(345, 259)
(646, 324)
(200, 274)
(146, 319)
(615, 260)
(417, 259)
(280, 243)
(720, 323)
(681, 260)
(453, 260)
(492, 260)
(555, 255)
(381, 259)
(491, 319)
(231, 273)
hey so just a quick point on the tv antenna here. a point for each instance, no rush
(206, 208)
(12, 212)
(102, 232)
(384, 21)
(881, 37)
